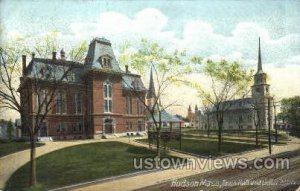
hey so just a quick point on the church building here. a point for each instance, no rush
(245, 113)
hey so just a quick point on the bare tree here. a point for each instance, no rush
(41, 85)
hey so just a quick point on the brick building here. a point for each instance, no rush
(97, 98)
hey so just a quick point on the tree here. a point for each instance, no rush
(290, 111)
(10, 129)
(228, 81)
(19, 98)
(167, 66)
(207, 112)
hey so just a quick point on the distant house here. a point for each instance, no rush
(3, 130)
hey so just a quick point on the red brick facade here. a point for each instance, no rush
(78, 110)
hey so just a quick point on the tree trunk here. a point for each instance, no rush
(220, 124)
(275, 124)
(158, 138)
(158, 143)
(32, 161)
(256, 135)
(208, 126)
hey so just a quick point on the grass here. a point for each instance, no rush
(208, 147)
(295, 133)
(12, 147)
(80, 163)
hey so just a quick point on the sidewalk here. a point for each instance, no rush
(137, 182)
(10, 163)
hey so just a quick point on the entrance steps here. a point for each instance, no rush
(45, 139)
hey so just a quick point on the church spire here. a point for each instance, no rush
(259, 64)
(151, 90)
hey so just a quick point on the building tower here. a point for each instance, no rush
(190, 114)
(151, 95)
(196, 117)
(261, 92)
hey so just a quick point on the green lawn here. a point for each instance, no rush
(208, 147)
(80, 164)
(12, 147)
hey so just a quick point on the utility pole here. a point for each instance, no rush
(275, 122)
(269, 124)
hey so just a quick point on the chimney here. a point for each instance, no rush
(53, 55)
(23, 65)
(32, 55)
(126, 68)
(62, 54)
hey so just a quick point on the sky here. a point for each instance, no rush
(211, 29)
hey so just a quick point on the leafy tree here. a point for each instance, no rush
(167, 67)
(290, 111)
(228, 81)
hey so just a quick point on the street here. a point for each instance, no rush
(264, 179)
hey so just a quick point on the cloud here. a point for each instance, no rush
(198, 36)
(281, 56)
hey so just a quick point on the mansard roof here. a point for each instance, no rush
(132, 82)
(49, 69)
(101, 47)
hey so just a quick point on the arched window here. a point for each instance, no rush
(107, 96)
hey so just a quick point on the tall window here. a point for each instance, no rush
(129, 125)
(77, 103)
(42, 101)
(62, 127)
(107, 96)
(77, 127)
(140, 107)
(60, 102)
(129, 104)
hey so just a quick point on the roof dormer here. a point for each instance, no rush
(105, 61)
